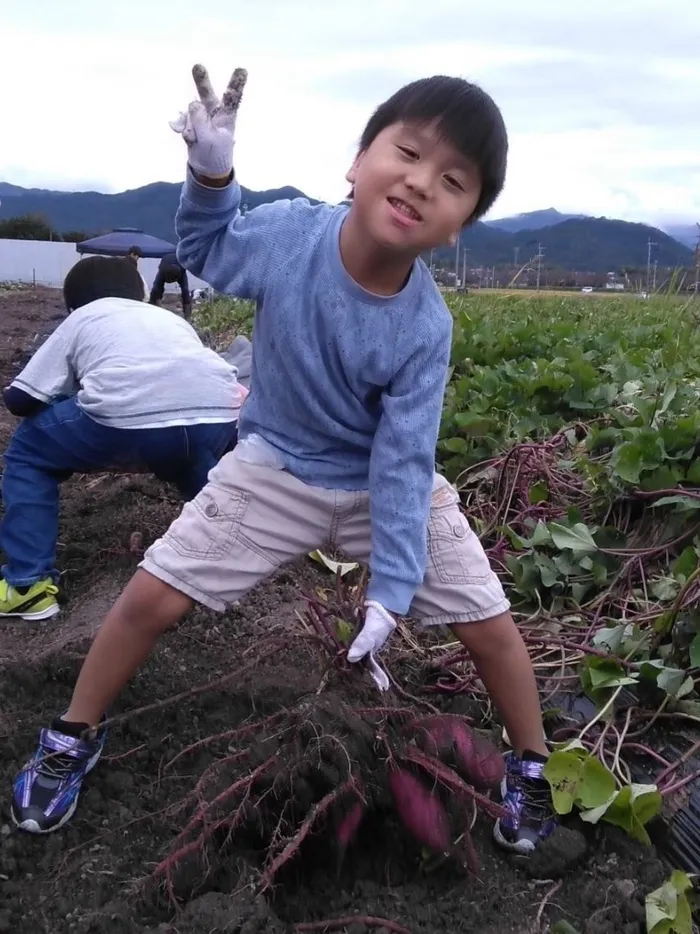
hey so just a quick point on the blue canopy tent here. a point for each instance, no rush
(119, 241)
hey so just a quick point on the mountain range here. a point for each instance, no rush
(568, 241)
(687, 234)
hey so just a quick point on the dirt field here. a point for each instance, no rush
(94, 875)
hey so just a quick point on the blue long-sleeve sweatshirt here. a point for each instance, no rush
(346, 385)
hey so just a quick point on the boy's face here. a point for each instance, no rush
(412, 190)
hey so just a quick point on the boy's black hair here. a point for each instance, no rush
(467, 117)
(101, 277)
(135, 251)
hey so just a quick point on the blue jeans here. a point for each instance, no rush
(47, 448)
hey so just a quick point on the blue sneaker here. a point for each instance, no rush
(45, 793)
(528, 798)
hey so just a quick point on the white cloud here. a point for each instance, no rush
(601, 99)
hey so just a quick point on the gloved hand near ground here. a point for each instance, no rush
(209, 125)
(378, 626)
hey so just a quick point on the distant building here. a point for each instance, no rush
(612, 284)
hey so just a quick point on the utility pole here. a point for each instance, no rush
(653, 281)
(432, 268)
(697, 262)
(464, 268)
(540, 255)
(650, 244)
(457, 263)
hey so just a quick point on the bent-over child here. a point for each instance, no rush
(119, 384)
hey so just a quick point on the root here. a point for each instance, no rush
(228, 735)
(448, 777)
(336, 923)
(181, 849)
(293, 845)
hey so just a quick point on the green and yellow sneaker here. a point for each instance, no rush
(37, 601)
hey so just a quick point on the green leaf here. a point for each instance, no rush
(548, 570)
(633, 807)
(335, 567)
(665, 477)
(667, 398)
(540, 536)
(578, 538)
(601, 676)
(473, 424)
(685, 503)
(625, 639)
(695, 652)
(665, 588)
(693, 474)
(455, 445)
(538, 493)
(344, 630)
(564, 564)
(627, 462)
(597, 784)
(663, 623)
(673, 681)
(579, 591)
(563, 927)
(563, 771)
(685, 563)
(668, 908)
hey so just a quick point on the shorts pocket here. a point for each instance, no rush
(209, 526)
(454, 550)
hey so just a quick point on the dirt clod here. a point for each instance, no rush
(556, 855)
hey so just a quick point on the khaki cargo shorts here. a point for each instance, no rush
(249, 520)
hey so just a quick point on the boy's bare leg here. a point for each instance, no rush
(503, 663)
(145, 609)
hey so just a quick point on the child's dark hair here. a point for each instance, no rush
(466, 117)
(135, 251)
(101, 277)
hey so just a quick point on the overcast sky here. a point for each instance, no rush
(601, 97)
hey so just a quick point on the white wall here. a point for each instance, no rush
(46, 263)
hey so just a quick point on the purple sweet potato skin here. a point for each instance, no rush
(350, 824)
(420, 811)
(475, 759)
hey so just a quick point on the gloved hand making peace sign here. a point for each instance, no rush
(208, 126)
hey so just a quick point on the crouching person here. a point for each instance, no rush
(120, 384)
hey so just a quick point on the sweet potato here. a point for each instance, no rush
(475, 759)
(420, 810)
(349, 824)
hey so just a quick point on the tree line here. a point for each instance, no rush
(36, 227)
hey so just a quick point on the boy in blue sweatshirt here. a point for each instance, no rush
(337, 438)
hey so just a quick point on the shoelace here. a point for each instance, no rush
(537, 803)
(55, 765)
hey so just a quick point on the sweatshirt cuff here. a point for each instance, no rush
(394, 595)
(215, 199)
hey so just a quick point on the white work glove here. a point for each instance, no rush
(208, 126)
(377, 628)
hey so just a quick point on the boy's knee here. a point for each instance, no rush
(147, 603)
(488, 637)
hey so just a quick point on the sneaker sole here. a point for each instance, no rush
(47, 613)
(31, 826)
(521, 847)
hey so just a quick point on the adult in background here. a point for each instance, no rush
(169, 270)
(116, 386)
(134, 254)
